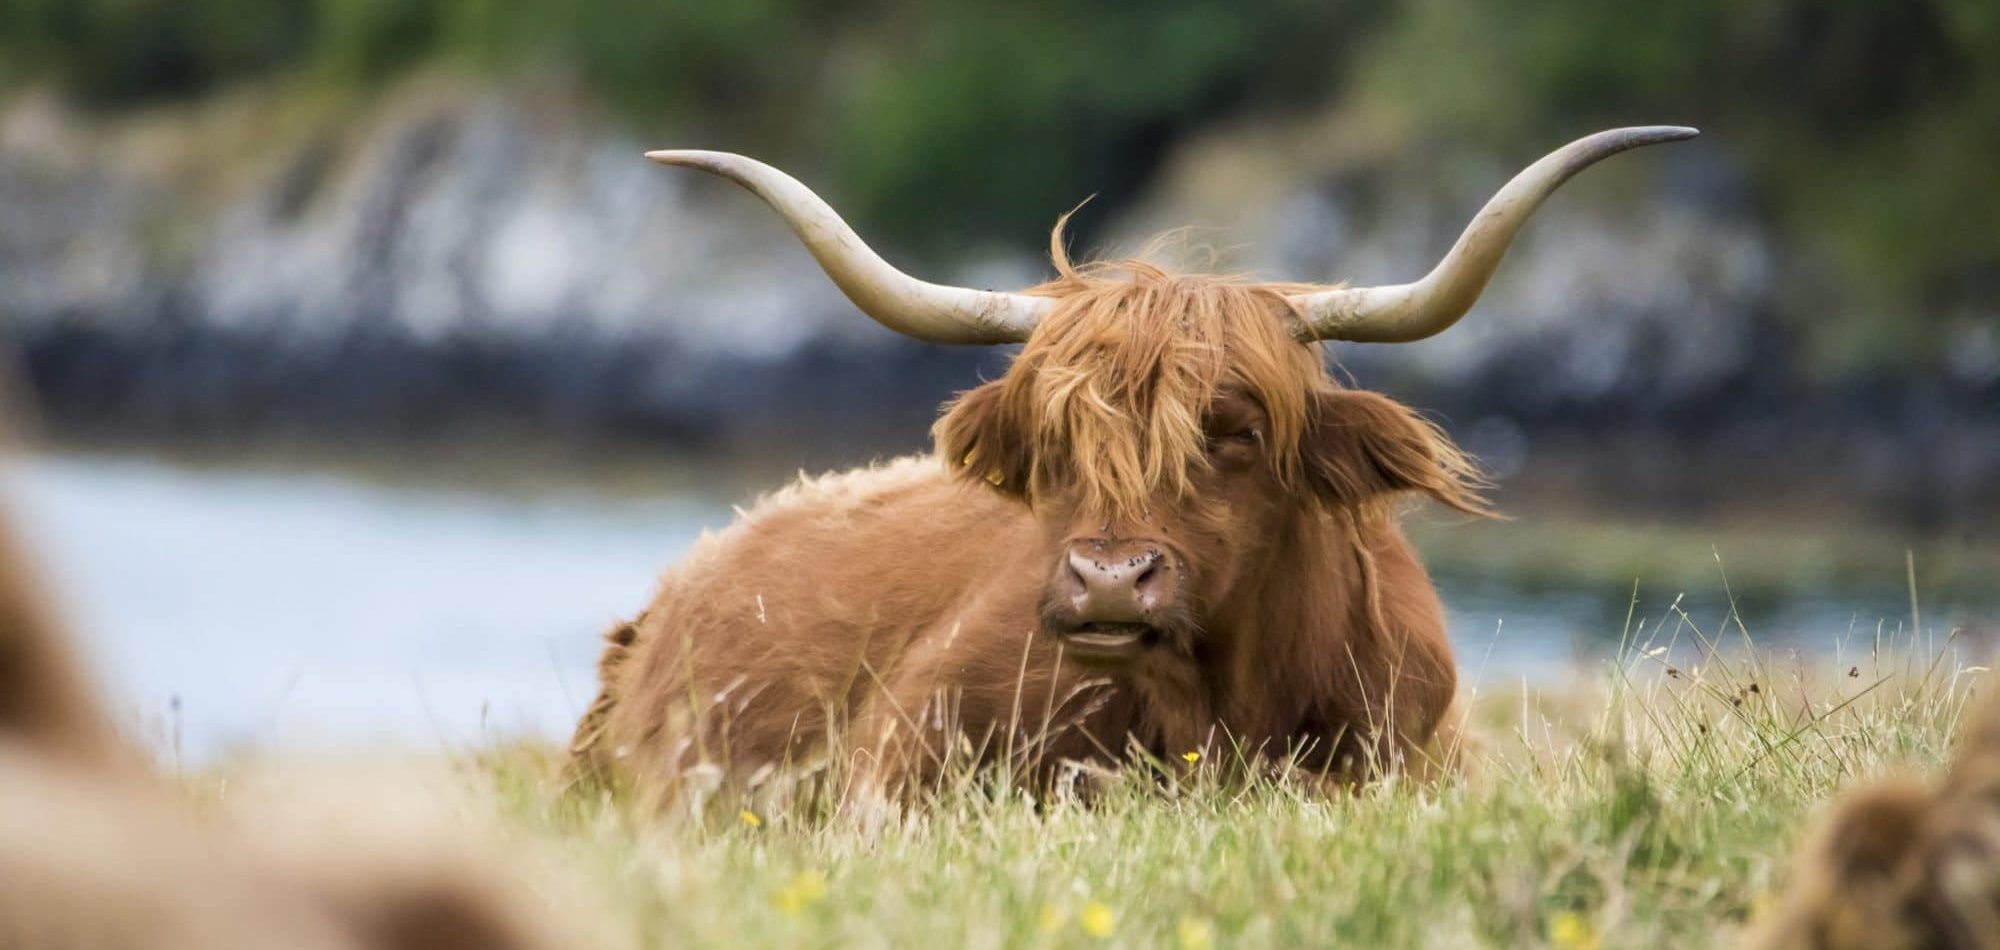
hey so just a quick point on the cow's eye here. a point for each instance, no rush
(1247, 437)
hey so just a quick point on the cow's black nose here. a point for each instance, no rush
(1119, 583)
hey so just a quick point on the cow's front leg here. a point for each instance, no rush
(890, 754)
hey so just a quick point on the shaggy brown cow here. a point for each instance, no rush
(1901, 865)
(1164, 529)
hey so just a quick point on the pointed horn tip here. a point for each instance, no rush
(715, 163)
(1654, 134)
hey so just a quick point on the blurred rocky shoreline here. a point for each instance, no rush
(462, 257)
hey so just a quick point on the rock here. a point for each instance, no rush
(459, 255)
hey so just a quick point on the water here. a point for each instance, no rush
(258, 608)
(282, 608)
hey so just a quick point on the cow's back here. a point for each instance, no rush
(770, 632)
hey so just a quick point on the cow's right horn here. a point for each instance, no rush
(927, 311)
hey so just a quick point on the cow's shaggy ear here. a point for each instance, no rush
(1361, 447)
(981, 437)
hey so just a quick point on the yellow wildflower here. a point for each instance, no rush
(1191, 756)
(1569, 931)
(1759, 905)
(804, 891)
(1098, 920)
(750, 818)
(1196, 934)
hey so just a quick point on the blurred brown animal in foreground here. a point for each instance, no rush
(1166, 528)
(1902, 864)
(106, 861)
(45, 698)
(96, 852)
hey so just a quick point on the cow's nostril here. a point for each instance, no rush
(1146, 576)
(1079, 584)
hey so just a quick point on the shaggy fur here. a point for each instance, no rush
(892, 614)
(1111, 393)
(1901, 865)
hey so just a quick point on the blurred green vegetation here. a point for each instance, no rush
(1870, 129)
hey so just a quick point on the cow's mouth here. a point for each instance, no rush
(1104, 642)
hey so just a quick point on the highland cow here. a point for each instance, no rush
(1164, 530)
(1903, 864)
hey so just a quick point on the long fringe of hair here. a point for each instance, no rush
(1113, 384)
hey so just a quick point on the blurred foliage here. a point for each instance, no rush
(1869, 129)
(116, 50)
(1010, 114)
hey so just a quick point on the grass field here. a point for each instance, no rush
(1653, 802)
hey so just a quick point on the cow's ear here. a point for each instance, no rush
(1361, 447)
(981, 437)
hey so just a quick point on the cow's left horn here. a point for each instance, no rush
(1399, 313)
(927, 311)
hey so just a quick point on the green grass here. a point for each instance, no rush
(1655, 802)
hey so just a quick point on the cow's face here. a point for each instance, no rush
(1170, 435)
(1122, 584)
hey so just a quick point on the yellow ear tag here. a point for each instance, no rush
(995, 478)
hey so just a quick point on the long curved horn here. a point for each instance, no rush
(1400, 313)
(927, 311)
